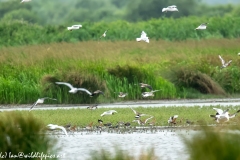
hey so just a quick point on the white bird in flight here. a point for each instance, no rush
(223, 116)
(74, 27)
(55, 127)
(122, 95)
(202, 26)
(40, 100)
(74, 90)
(104, 34)
(110, 112)
(138, 114)
(23, 1)
(148, 94)
(143, 37)
(224, 65)
(170, 9)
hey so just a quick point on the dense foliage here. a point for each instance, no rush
(22, 33)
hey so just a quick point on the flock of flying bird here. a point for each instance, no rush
(220, 116)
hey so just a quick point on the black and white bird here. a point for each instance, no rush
(142, 122)
(170, 9)
(95, 106)
(143, 37)
(40, 100)
(149, 94)
(172, 119)
(202, 26)
(75, 90)
(144, 85)
(138, 114)
(55, 127)
(223, 116)
(122, 94)
(224, 64)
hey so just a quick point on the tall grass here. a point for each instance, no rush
(30, 72)
(214, 144)
(22, 133)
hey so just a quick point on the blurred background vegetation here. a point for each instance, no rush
(46, 21)
(62, 12)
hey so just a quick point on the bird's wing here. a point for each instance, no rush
(148, 119)
(105, 31)
(33, 105)
(85, 90)
(225, 111)
(134, 110)
(63, 129)
(64, 83)
(175, 116)
(98, 92)
(143, 34)
(223, 62)
(112, 111)
(220, 111)
(228, 62)
(150, 87)
(155, 90)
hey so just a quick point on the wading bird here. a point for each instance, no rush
(110, 112)
(74, 90)
(40, 100)
(92, 107)
(224, 65)
(202, 26)
(143, 37)
(223, 116)
(148, 94)
(55, 127)
(74, 27)
(172, 120)
(142, 122)
(170, 9)
(104, 34)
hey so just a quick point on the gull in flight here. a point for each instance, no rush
(224, 65)
(170, 8)
(23, 1)
(40, 100)
(223, 116)
(138, 115)
(148, 94)
(104, 34)
(172, 120)
(74, 90)
(110, 112)
(122, 95)
(74, 27)
(202, 26)
(54, 127)
(144, 85)
(143, 37)
(142, 122)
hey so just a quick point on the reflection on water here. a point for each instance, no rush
(167, 144)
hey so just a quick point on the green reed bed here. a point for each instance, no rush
(83, 117)
(30, 72)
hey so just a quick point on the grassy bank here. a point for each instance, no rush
(186, 69)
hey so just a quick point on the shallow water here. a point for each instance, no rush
(167, 144)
